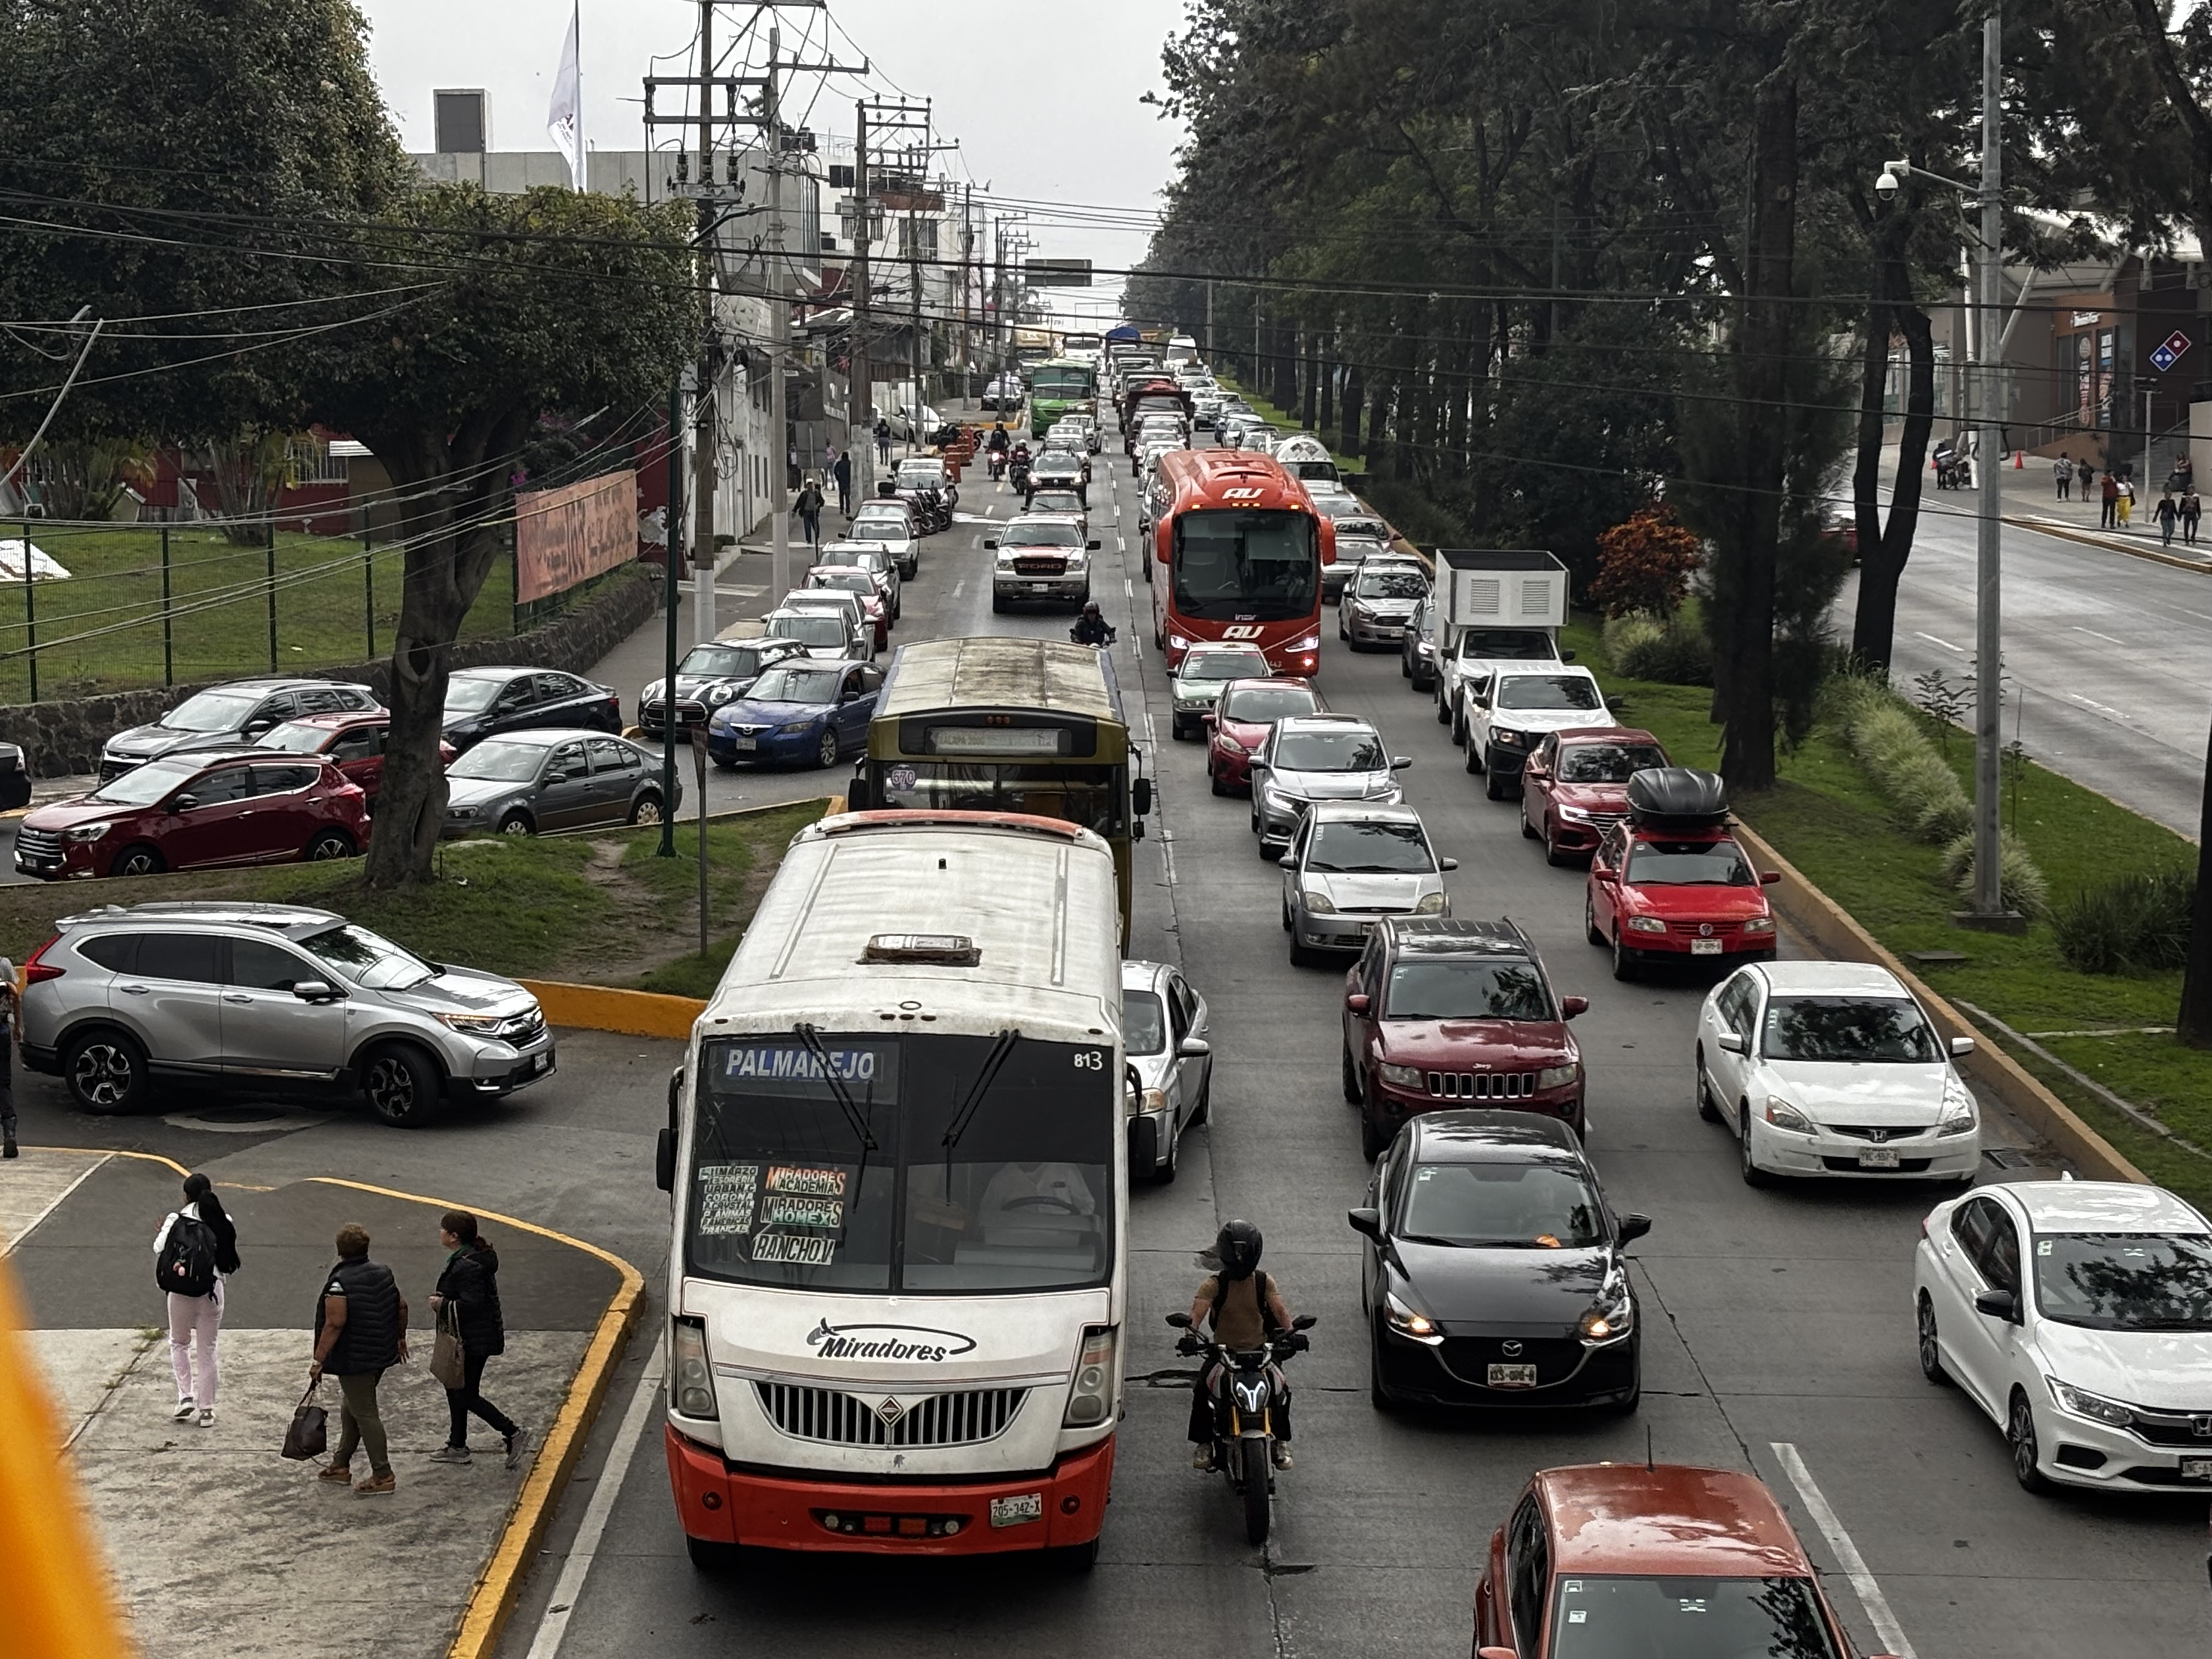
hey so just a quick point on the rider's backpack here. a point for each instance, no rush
(186, 1264)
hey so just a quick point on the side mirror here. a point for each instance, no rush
(1256, 764)
(1447, 864)
(1357, 1002)
(1602, 872)
(1140, 797)
(1768, 878)
(1734, 1043)
(1209, 719)
(1962, 1045)
(1399, 762)
(556, 777)
(2000, 1304)
(1091, 545)
(1305, 1321)
(991, 544)
(1570, 1006)
(664, 1160)
(1566, 656)
(254, 728)
(1633, 1227)
(183, 803)
(313, 990)
(1366, 1223)
(1194, 1048)
(1180, 1320)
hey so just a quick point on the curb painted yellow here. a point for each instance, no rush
(600, 1008)
(492, 1599)
(2097, 538)
(1832, 927)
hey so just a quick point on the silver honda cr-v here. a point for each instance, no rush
(270, 998)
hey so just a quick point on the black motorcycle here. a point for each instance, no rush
(1246, 1385)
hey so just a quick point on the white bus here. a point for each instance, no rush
(897, 1289)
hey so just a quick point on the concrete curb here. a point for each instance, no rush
(600, 1008)
(1829, 926)
(2105, 539)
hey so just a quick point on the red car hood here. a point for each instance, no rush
(1592, 797)
(1250, 733)
(1465, 1044)
(1687, 903)
(61, 815)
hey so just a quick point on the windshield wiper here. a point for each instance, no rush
(854, 1120)
(957, 1126)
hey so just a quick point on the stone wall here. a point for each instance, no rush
(64, 739)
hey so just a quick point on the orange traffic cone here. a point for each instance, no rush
(2018, 459)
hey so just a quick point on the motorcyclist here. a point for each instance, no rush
(996, 446)
(1244, 1308)
(1092, 628)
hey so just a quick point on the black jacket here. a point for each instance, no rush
(471, 1283)
(369, 1340)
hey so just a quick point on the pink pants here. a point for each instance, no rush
(192, 1317)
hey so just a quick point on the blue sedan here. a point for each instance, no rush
(801, 712)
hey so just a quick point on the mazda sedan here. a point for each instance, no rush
(528, 781)
(803, 715)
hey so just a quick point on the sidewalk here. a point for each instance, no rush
(2030, 500)
(216, 1544)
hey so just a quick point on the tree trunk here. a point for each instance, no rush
(1355, 398)
(1881, 561)
(1327, 379)
(1312, 381)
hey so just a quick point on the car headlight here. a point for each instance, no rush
(1415, 1326)
(1646, 924)
(461, 811)
(89, 831)
(1148, 1100)
(2094, 1407)
(1230, 744)
(1573, 814)
(1611, 1320)
(1318, 902)
(716, 696)
(483, 1025)
(795, 728)
(1507, 736)
(1558, 1077)
(1431, 904)
(1759, 925)
(1402, 1077)
(1783, 1116)
(695, 1378)
(1958, 1115)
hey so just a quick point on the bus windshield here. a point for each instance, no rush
(1246, 564)
(1088, 795)
(913, 1181)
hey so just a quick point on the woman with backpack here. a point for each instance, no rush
(195, 1251)
(467, 1302)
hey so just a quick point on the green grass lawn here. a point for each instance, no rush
(100, 629)
(1826, 818)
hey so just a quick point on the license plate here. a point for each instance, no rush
(1512, 1376)
(744, 743)
(1878, 1157)
(543, 1062)
(1705, 947)
(1013, 1511)
(1040, 587)
(2197, 1469)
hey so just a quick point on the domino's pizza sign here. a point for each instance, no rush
(2168, 351)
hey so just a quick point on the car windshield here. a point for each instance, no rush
(1354, 749)
(1610, 1618)
(473, 695)
(212, 711)
(1062, 460)
(500, 760)
(1547, 692)
(1847, 1028)
(1370, 850)
(719, 661)
(1264, 704)
(142, 786)
(1689, 864)
(1467, 990)
(2125, 1282)
(1222, 665)
(369, 960)
(1042, 535)
(1529, 1207)
(920, 475)
(1387, 584)
(1607, 762)
(1506, 644)
(294, 737)
(857, 581)
(1144, 1024)
(797, 684)
(820, 629)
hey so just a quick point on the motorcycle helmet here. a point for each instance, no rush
(1090, 609)
(1238, 1249)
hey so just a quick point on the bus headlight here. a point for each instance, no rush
(1091, 1401)
(694, 1380)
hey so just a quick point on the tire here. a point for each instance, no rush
(104, 1070)
(1628, 1408)
(646, 809)
(1623, 964)
(401, 1086)
(723, 765)
(1527, 829)
(1302, 958)
(1752, 1175)
(1351, 1078)
(1405, 668)
(1270, 852)
(329, 844)
(1472, 761)
(1378, 1395)
(1552, 855)
(714, 1559)
(1459, 729)
(1259, 1501)
(1443, 712)
(1931, 1353)
(516, 824)
(1704, 1087)
(1177, 731)
(998, 605)
(139, 859)
(1589, 921)
(2020, 1440)
(1372, 1139)
(1213, 778)
(1074, 1558)
(825, 752)
(1285, 908)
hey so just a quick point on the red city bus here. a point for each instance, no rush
(1238, 552)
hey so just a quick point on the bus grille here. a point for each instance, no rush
(837, 1418)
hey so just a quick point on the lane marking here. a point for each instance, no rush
(568, 1588)
(1129, 593)
(2094, 635)
(2199, 615)
(8, 1245)
(1854, 1565)
(957, 585)
(1932, 640)
(2087, 702)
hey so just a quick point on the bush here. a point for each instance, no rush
(1644, 564)
(1625, 633)
(2131, 924)
(1906, 767)
(2020, 886)
(1672, 651)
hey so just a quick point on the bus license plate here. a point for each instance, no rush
(1512, 1376)
(1705, 947)
(1013, 1511)
(1878, 1157)
(743, 744)
(2197, 1469)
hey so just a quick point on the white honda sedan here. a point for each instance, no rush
(1830, 1068)
(2078, 1315)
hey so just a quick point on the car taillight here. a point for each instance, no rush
(38, 970)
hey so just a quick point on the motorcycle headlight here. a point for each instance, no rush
(1403, 1077)
(89, 831)
(1558, 1077)
(2094, 1407)
(1759, 925)
(1783, 1116)
(1431, 904)
(1646, 924)
(1415, 1326)
(1318, 902)
(694, 1379)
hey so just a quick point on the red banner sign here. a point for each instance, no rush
(569, 535)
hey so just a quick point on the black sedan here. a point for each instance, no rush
(485, 702)
(1493, 1273)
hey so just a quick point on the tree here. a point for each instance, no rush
(1644, 564)
(552, 304)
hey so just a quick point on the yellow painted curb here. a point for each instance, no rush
(1832, 927)
(2096, 538)
(600, 1008)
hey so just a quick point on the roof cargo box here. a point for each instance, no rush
(1677, 798)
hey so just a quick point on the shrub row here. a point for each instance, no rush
(2131, 925)
(1672, 651)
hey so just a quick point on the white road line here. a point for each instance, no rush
(554, 1626)
(1855, 1567)
(2199, 615)
(60, 1199)
(1128, 592)
(2094, 635)
(1932, 640)
(2102, 708)
(957, 585)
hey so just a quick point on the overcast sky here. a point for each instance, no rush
(1045, 110)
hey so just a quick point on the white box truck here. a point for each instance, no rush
(1493, 605)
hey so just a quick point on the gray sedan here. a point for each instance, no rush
(525, 782)
(1165, 1026)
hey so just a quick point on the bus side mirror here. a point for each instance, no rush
(1140, 797)
(664, 1161)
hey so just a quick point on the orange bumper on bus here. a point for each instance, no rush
(720, 1504)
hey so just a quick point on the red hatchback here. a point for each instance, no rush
(185, 812)
(1665, 1561)
(354, 743)
(1238, 724)
(1575, 786)
(1671, 883)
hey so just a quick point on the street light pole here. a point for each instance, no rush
(1988, 906)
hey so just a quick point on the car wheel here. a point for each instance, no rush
(105, 1070)
(1589, 921)
(998, 605)
(1301, 957)
(1444, 710)
(825, 752)
(1931, 1353)
(1624, 960)
(1527, 829)
(1286, 915)
(1704, 1086)
(515, 824)
(1342, 632)
(1165, 1174)
(1378, 1395)
(1459, 727)
(1472, 760)
(1213, 778)
(329, 844)
(1351, 1078)
(723, 763)
(646, 810)
(1752, 1175)
(1271, 852)
(401, 1086)
(2020, 1436)
(1627, 1404)
(1177, 731)
(139, 860)
(1405, 668)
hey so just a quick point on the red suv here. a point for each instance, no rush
(354, 743)
(1237, 725)
(1670, 883)
(1441, 1013)
(188, 811)
(1575, 786)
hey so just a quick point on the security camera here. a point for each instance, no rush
(1885, 184)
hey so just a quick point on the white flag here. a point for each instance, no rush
(565, 120)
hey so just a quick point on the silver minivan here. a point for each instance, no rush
(270, 998)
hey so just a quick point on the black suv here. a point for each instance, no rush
(224, 715)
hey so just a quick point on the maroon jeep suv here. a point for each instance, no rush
(1441, 1013)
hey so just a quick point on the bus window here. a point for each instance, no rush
(1088, 795)
(1254, 565)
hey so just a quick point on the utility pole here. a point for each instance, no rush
(778, 335)
(860, 389)
(705, 406)
(1989, 909)
(1209, 317)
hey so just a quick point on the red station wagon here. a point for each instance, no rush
(1669, 1562)
(355, 743)
(189, 810)
(1575, 786)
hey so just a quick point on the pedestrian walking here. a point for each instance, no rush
(2169, 516)
(809, 508)
(2183, 475)
(468, 1297)
(2123, 500)
(842, 472)
(195, 1250)
(2062, 472)
(360, 1333)
(883, 440)
(7, 1059)
(2108, 515)
(2191, 511)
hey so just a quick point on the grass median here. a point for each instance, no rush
(1825, 817)
(597, 906)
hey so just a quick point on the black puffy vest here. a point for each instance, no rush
(369, 1340)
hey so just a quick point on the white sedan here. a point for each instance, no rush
(2078, 1315)
(1166, 1027)
(1830, 1068)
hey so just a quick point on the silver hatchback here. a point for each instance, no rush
(270, 998)
(1307, 758)
(1167, 1030)
(1350, 865)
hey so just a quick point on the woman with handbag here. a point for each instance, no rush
(471, 1330)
